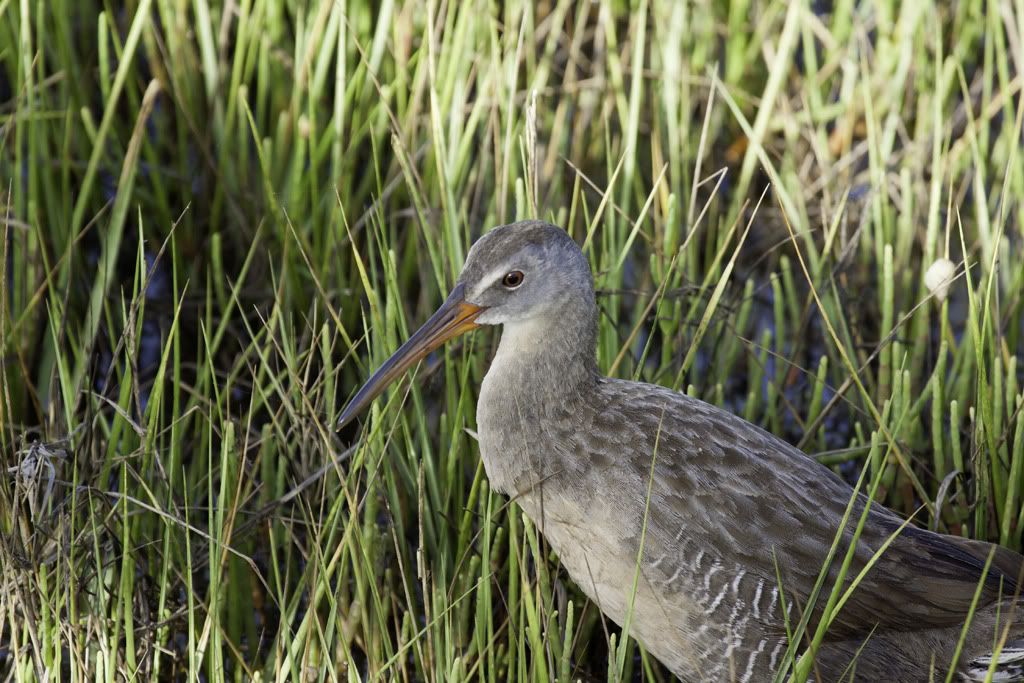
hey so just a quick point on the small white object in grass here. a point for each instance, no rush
(304, 127)
(938, 278)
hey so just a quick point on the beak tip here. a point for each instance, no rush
(346, 416)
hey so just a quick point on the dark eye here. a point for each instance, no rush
(512, 279)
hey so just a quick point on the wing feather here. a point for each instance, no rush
(756, 500)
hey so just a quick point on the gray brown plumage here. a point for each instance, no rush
(728, 505)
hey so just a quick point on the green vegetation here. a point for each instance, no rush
(219, 217)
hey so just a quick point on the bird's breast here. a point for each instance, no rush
(685, 616)
(685, 604)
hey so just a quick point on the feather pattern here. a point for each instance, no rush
(703, 532)
(728, 503)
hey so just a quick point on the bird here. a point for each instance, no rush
(702, 532)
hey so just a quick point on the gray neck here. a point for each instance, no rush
(543, 368)
(546, 361)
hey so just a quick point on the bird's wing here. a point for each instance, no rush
(764, 505)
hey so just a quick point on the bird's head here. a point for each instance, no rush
(514, 275)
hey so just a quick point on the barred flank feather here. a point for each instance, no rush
(1009, 666)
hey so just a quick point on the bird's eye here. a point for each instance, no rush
(512, 279)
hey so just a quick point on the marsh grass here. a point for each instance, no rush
(219, 217)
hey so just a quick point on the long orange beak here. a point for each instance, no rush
(455, 316)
